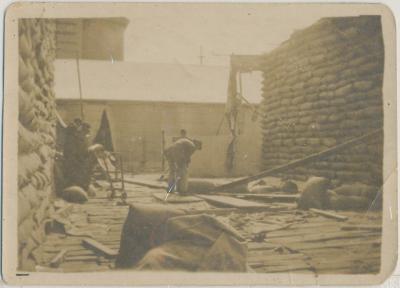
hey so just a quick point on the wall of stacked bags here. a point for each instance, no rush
(36, 141)
(322, 87)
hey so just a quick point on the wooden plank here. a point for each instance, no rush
(375, 228)
(82, 258)
(84, 252)
(261, 246)
(58, 259)
(146, 183)
(359, 250)
(283, 268)
(275, 257)
(175, 198)
(270, 197)
(98, 247)
(317, 225)
(321, 237)
(215, 211)
(231, 202)
(301, 246)
(353, 264)
(329, 214)
(296, 232)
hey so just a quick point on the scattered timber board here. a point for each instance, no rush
(56, 261)
(265, 197)
(231, 202)
(149, 184)
(174, 198)
(300, 248)
(323, 237)
(329, 214)
(376, 228)
(271, 197)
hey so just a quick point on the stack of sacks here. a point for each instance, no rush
(321, 88)
(36, 133)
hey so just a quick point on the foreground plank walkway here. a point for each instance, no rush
(280, 239)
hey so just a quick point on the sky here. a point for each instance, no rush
(178, 32)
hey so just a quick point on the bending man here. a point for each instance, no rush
(178, 156)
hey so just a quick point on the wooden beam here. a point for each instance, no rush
(374, 228)
(98, 247)
(58, 259)
(145, 183)
(299, 162)
(216, 211)
(329, 214)
(175, 198)
(265, 197)
(231, 202)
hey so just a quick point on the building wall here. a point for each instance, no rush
(322, 87)
(137, 133)
(36, 134)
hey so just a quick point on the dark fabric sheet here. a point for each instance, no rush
(158, 237)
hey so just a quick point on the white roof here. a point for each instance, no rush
(173, 82)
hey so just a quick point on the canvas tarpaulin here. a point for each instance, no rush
(103, 135)
(157, 237)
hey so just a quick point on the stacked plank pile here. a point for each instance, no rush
(322, 87)
(36, 133)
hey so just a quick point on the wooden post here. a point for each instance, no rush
(144, 152)
(122, 172)
(116, 156)
(109, 178)
(162, 150)
(80, 87)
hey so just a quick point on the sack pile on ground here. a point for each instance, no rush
(318, 193)
(322, 87)
(36, 133)
(75, 194)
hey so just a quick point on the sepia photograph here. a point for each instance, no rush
(226, 139)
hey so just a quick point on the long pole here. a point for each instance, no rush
(162, 150)
(80, 87)
(298, 162)
(240, 85)
(220, 124)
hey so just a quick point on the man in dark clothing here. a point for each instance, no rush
(77, 161)
(178, 155)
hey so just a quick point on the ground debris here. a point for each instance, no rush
(280, 238)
